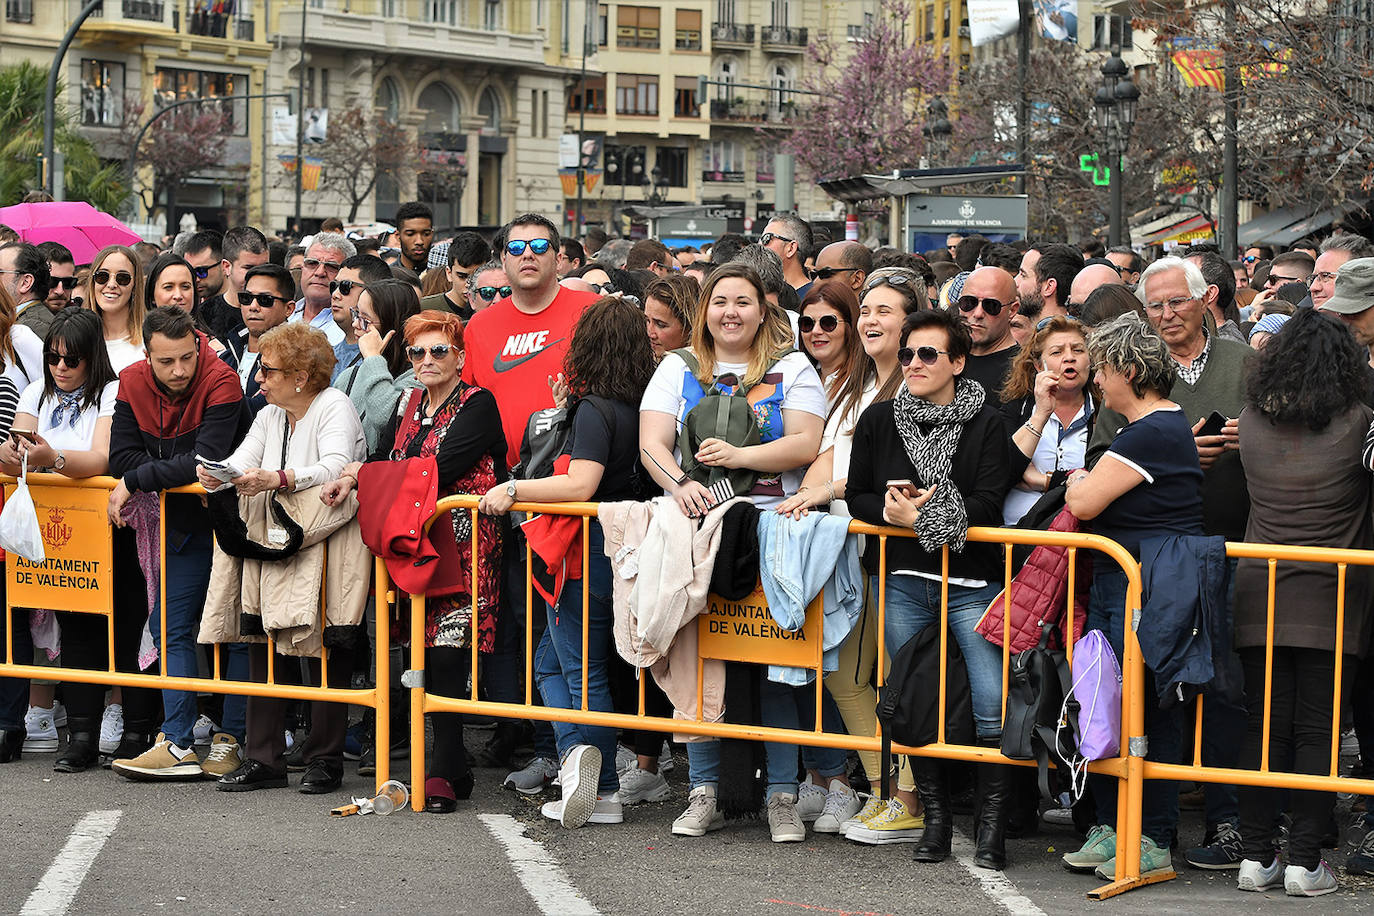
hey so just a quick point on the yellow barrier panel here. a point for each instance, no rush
(1125, 768)
(91, 495)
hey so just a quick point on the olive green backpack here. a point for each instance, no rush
(721, 416)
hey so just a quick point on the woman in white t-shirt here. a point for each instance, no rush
(114, 291)
(737, 338)
(65, 420)
(21, 352)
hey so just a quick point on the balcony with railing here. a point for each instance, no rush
(784, 38)
(708, 175)
(145, 10)
(731, 34)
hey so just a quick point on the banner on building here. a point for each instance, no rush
(316, 125)
(283, 127)
(989, 20)
(310, 175)
(568, 178)
(1057, 19)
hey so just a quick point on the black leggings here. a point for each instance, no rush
(625, 698)
(1301, 702)
(446, 670)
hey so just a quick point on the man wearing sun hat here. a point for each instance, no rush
(1353, 300)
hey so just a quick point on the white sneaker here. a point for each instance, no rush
(205, 729)
(625, 759)
(701, 815)
(665, 759)
(638, 785)
(784, 820)
(111, 728)
(1299, 882)
(810, 800)
(40, 731)
(608, 810)
(875, 806)
(578, 776)
(1256, 877)
(841, 803)
(59, 714)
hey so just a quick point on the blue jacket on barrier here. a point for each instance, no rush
(1184, 626)
(797, 561)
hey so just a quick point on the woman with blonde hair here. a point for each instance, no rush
(114, 291)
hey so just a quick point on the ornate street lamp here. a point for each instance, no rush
(937, 129)
(655, 187)
(1115, 100)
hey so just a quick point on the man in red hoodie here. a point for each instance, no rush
(179, 403)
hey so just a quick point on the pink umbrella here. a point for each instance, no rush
(74, 223)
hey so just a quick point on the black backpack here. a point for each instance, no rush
(907, 703)
(1039, 680)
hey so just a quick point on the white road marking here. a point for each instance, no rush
(995, 884)
(59, 885)
(541, 877)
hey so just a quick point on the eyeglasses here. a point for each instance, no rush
(438, 351)
(605, 289)
(264, 300)
(265, 369)
(927, 355)
(69, 283)
(517, 247)
(360, 319)
(1157, 308)
(991, 307)
(828, 323)
(1045, 322)
(345, 287)
(488, 293)
(201, 272)
(899, 280)
(825, 273)
(71, 359)
(102, 276)
(1274, 279)
(315, 263)
(770, 236)
(1326, 276)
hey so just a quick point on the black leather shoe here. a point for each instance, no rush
(11, 744)
(83, 751)
(251, 775)
(321, 777)
(130, 746)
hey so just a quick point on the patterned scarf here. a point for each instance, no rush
(67, 401)
(944, 518)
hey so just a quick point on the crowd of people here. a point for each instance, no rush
(313, 389)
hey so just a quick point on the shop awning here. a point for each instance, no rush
(1314, 223)
(1257, 230)
(1178, 226)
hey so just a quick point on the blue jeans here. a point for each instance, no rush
(558, 661)
(913, 603)
(188, 577)
(1163, 727)
(500, 671)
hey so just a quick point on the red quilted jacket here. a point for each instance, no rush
(1039, 594)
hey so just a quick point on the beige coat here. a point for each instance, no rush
(283, 598)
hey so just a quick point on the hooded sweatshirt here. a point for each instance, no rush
(154, 440)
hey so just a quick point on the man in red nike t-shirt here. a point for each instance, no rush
(515, 345)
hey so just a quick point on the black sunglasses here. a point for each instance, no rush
(438, 351)
(828, 323)
(605, 289)
(769, 236)
(264, 300)
(927, 355)
(489, 293)
(67, 283)
(71, 359)
(345, 287)
(992, 307)
(825, 273)
(201, 272)
(102, 276)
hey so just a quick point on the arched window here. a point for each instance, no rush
(489, 110)
(781, 80)
(443, 114)
(727, 74)
(388, 99)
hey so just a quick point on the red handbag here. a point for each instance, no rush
(395, 499)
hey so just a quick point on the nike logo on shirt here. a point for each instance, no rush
(521, 346)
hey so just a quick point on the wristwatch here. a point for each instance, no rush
(510, 489)
(60, 463)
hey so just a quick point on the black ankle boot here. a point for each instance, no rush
(932, 787)
(11, 744)
(83, 748)
(138, 737)
(994, 803)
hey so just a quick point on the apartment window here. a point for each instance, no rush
(443, 12)
(636, 27)
(636, 94)
(725, 12)
(544, 120)
(1111, 30)
(688, 30)
(685, 97)
(594, 91)
(672, 165)
(727, 159)
(492, 16)
(602, 27)
(782, 13)
(19, 10)
(102, 93)
(173, 85)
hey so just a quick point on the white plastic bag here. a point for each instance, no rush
(19, 531)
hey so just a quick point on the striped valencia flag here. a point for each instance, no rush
(310, 175)
(1201, 67)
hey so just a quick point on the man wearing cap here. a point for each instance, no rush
(1353, 299)
(1337, 250)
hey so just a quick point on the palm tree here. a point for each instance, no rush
(22, 91)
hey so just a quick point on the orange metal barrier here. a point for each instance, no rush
(1125, 768)
(377, 697)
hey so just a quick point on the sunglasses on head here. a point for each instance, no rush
(71, 359)
(200, 272)
(517, 247)
(825, 273)
(102, 276)
(345, 287)
(438, 351)
(991, 307)
(894, 279)
(927, 355)
(1045, 322)
(827, 323)
(264, 300)
(67, 283)
(488, 293)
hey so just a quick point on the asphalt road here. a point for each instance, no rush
(189, 848)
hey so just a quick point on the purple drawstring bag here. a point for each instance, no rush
(1096, 692)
